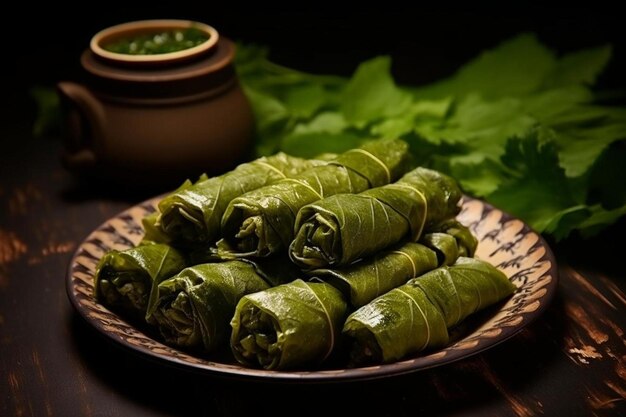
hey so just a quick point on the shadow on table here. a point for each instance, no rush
(78, 190)
(489, 381)
(600, 253)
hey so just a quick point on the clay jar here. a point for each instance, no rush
(150, 119)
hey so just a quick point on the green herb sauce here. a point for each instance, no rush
(158, 42)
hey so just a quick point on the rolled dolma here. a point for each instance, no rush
(261, 222)
(466, 241)
(374, 276)
(195, 307)
(128, 280)
(417, 315)
(153, 233)
(342, 228)
(365, 280)
(192, 214)
(464, 288)
(450, 239)
(288, 326)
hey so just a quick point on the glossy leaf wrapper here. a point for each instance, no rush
(195, 307)
(342, 228)
(192, 214)
(261, 222)
(289, 326)
(450, 240)
(152, 232)
(128, 280)
(365, 280)
(464, 288)
(417, 315)
(466, 241)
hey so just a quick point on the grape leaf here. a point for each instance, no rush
(309, 145)
(536, 188)
(580, 67)
(516, 67)
(518, 126)
(599, 219)
(305, 101)
(372, 94)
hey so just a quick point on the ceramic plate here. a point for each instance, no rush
(504, 241)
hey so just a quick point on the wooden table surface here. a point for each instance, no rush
(570, 362)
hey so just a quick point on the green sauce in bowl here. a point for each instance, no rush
(154, 43)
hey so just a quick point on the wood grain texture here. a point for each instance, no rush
(571, 362)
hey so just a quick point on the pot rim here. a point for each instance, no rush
(140, 26)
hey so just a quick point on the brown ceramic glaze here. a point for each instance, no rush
(164, 122)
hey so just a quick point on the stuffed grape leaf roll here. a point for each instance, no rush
(153, 233)
(464, 288)
(128, 280)
(450, 240)
(466, 241)
(261, 222)
(374, 276)
(195, 306)
(289, 326)
(365, 280)
(342, 228)
(192, 214)
(417, 315)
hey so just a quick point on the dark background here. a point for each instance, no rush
(87, 375)
(426, 44)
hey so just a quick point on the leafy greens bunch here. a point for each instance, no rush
(518, 126)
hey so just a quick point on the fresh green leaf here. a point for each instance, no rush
(257, 71)
(480, 125)
(371, 94)
(599, 219)
(306, 100)
(537, 189)
(565, 220)
(327, 122)
(432, 108)
(309, 145)
(479, 179)
(580, 147)
(249, 56)
(422, 114)
(514, 68)
(581, 67)
(393, 128)
(560, 172)
(267, 109)
(552, 105)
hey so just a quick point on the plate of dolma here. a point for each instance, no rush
(330, 298)
(502, 241)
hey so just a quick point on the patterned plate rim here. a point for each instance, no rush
(82, 302)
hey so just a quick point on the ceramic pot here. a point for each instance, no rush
(159, 118)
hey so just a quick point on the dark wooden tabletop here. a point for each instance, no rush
(570, 362)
